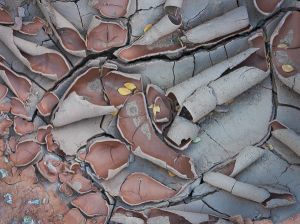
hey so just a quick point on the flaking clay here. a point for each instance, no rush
(149, 112)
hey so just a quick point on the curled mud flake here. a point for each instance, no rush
(115, 89)
(18, 108)
(49, 64)
(23, 127)
(80, 184)
(157, 215)
(112, 8)
(5, 17)
(42, 132)
(96, 220)
(286, 136)
(122, 215)
(5, 107)
(89, 86)
(5, 124)
(26, 152)
(66, 190)
(139, 188)
(51, 145)
(12, 143)
(292, 220)
(74, 216)
(3, 91)
(71, 40)
(169, 44)
(267, 7)
(47, 104)
(214, 30)
(162, 108)
(91, 204)
(19, 85)
(267, 196)
(32, 28)
(278, 197)
(107, 157)
(243, 160)
(286, 59)
(103, 35)
(135, 126)
(50, 167)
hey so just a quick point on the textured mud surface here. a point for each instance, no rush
(149, 111)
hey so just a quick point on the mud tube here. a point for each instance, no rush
(235, 20)
(162, 28)
(201, 103)
(181, 133)
(235, 83)
(183, 90)
(287, 136)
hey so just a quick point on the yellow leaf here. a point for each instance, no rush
(147, 27)
(155, 109)
(130, 86)
(114, 113)
(282, 46)
(287, 68)
(269, 146)
(124, 91)
(171, 174)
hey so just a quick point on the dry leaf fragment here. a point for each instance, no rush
(282, 46)
(287, 68)
(155, 109)
(124, 91)
(130, 86)
(147, 27)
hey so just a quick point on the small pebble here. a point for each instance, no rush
(8, 198)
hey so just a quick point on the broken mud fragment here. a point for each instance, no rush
(107, 157)
(114, 8)
(91, 204)
(285, 50)
(267, 7)
(5, 17)
(103, 35)
(47, 104)
(33, 27)
(67, 34)
(139, 188)
(44, 61)
(114, 84)
(135, 126)
(26, 153)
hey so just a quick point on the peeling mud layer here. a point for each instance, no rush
(149, 111)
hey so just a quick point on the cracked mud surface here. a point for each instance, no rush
(159, 112)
